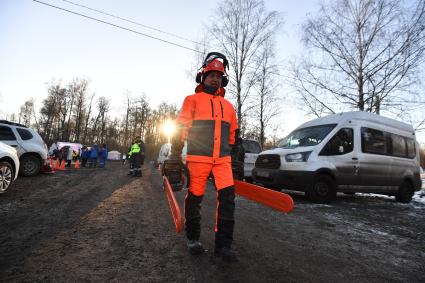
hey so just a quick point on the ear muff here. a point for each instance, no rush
(199, 77)
(224, 81)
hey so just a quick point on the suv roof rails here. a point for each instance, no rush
(12, 123)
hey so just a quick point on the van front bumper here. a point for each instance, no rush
(283, 179)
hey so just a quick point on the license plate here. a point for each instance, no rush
(263, 173)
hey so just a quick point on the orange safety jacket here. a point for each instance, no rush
(209, 125)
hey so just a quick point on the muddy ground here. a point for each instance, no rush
(102, 225)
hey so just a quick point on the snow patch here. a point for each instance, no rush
(419, 196)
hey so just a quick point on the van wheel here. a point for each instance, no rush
(404, 193)
(6, 176)
(323, 189)
(30, 165)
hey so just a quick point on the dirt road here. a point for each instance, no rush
(101, 225)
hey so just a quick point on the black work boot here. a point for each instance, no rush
(226, 254)
(195, 247)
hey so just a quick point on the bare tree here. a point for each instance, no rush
(26, 112)
(98, 133)
(50, 111)
(127, 115)
(264, 105)
(86, 126)
(361, 54)
(142, 117)
(241, 28)
(203, 46)
(79, 89)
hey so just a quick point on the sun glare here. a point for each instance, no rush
(169, 128)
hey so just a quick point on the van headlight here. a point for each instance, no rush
(297, 157)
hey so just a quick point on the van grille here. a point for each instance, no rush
(269, 161)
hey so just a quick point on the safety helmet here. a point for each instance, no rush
(212, 63)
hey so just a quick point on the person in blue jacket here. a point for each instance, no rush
(94, 153)
(85, 154)
(103, 154)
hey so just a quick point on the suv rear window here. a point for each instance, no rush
(25, 134)
(6, 134)
(251, 146)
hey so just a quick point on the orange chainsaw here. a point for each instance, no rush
(274, 199)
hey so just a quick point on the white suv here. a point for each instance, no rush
(9, 166)
(252, 150)
(31, 149)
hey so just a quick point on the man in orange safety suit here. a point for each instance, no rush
(207, 121)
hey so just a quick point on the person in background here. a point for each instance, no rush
(85, 153)
(53, 150)
(94, 153)
(123, 158)
(137, 156)
(56, 153)
(63, 153)
(103, 154)
(69, 155)
(75, 155)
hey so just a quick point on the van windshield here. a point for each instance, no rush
(306, 136)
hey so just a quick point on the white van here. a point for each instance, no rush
(347, 152)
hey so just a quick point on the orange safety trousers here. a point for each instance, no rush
(225, 205)
(199, 173)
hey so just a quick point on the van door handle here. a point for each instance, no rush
(14, 145)
(354, 158)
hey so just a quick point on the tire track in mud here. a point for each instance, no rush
(44, 205)
(91, 225)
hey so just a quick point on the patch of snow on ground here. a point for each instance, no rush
(419, 196)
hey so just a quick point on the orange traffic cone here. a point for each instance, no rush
(62, 166)
(77, 164)
(57, 165)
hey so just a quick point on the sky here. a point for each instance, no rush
(40, 43)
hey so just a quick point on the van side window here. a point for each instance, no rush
(374, 141)
(341, 143)
(411, 148)
(6, 134)
(385, 143)
(398, 145)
